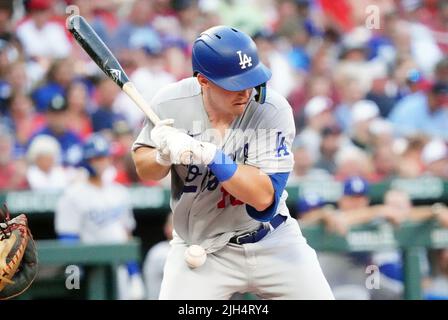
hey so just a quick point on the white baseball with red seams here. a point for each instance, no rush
(195, 256)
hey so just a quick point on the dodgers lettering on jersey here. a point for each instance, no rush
(95, 214)
(262, 136)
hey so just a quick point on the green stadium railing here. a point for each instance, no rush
(98, 263)
(409, 237)
(421, 190)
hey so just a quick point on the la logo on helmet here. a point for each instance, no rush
(245, 60)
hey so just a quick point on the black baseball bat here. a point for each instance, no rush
(92, 44)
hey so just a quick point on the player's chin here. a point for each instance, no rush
(238, 108)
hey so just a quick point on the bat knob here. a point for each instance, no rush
(73, 22)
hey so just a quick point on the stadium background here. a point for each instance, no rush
(360, 76)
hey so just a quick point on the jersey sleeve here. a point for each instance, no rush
(144, 137)
(269, 147)
(68, 216)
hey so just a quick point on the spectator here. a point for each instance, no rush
(305, 90)
(24, 121)
(105, 117)
(303, 165)
(346, 273)
(60, 76)
(381, 133)
(176, 57)
(438, 22)
(283, 77)
(385, 163)
(331, 141)
(363, 113)
(42, 38)
(423, 45)
(382, 93)
(441, 69)
(318, 116)
(150, 69)
(44, 171)
(408, 78)
(155, 261)
(409, 151)
(58, 127)
(352, 161)
(12, 171)
(6, 10)
(423, 113)
(77, 110)
(307, 206)
(298, 55)
(350, 91)
(136, 30)
(8, 56)
(123, 139)
(15, 80)
(87, 10)
(435, 158)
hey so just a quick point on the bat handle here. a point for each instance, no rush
(132, 92)
(130, 89)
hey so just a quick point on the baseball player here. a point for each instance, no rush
(97, 210)
(227, 142)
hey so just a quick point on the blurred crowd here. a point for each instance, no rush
(368, 85)
(347, 273)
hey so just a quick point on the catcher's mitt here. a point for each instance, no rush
(18, 258)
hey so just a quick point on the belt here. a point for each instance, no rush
(259, 234)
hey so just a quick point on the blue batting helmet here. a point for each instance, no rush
(96, 146)
(228, 57)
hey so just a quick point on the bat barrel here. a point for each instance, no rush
(89, 40)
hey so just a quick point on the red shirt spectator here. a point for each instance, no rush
(12, 172)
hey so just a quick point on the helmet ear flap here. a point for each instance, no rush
(260, 97)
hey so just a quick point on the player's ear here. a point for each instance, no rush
(203, 81)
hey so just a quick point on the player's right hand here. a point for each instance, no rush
(186, 150)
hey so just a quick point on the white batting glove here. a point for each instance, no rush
(186, 150)
(203, 153)
(159, 134)
(161, 131)
(163, 157)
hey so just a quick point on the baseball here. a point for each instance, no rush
(195, 256)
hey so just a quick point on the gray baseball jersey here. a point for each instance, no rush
(95, 214)
(204, 212)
